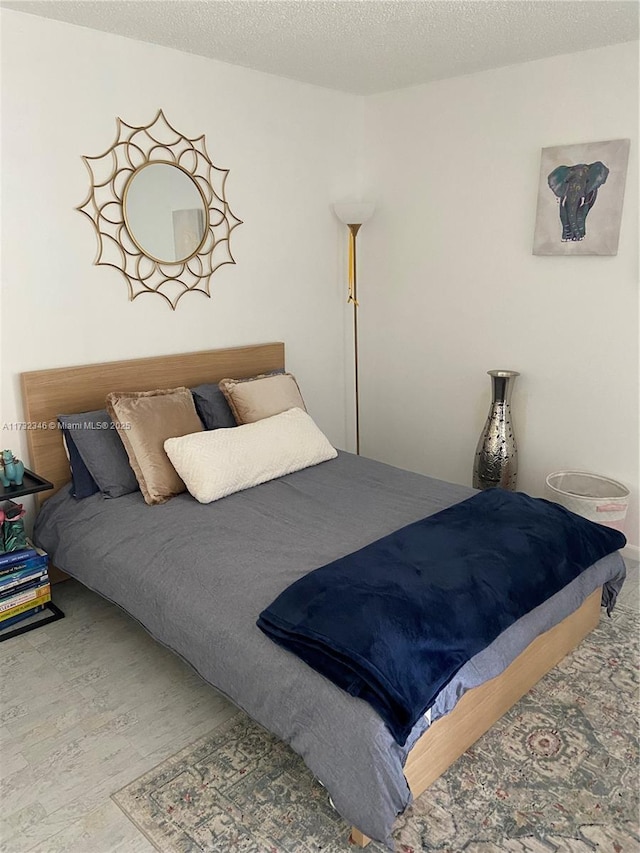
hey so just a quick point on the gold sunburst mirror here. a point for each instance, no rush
(159, 210)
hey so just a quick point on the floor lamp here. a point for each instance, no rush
(354, 214)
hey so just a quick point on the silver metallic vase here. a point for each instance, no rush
(496, 462)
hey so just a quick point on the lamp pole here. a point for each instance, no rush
(353, 214)
(353, 298)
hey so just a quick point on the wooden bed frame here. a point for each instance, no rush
(47, 393)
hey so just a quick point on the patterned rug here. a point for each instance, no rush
(557, 774)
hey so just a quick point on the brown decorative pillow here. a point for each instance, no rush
(148, 419)
(260, 397)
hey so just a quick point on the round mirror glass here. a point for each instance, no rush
(164, 212)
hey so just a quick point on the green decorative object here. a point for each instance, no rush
(12, 533)
(12, 470)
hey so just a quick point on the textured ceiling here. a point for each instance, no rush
(361, 46)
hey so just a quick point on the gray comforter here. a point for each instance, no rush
(197, 576)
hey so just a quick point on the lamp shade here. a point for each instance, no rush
(354, 212)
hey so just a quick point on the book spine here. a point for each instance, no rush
(12, 620)
(22, 608)
(31, 563)
(23, 588)
(21, 573)
(24, 597)
(23, 582)
(16, 556)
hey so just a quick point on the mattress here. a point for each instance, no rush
(197, 576)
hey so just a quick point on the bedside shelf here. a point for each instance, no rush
(38, 620)
(31, 484)
(17, 583)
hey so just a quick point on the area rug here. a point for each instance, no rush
(557, 774)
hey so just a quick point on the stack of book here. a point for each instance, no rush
(24, 585)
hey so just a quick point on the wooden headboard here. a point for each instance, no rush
(66, 390)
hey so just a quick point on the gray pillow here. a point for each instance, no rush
(212, 407)
(102, 451)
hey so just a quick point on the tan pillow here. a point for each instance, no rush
(251, 400)
(148, 419)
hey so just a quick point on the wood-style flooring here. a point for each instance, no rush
(87, 705)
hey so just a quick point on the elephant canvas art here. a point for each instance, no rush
(572, 178)
(577, 190)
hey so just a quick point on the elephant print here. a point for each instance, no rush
(577, 190)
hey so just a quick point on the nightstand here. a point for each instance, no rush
(22, 573)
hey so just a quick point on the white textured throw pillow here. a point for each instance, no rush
(219, 462)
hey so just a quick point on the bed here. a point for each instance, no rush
(197, 576)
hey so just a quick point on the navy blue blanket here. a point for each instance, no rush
(393, 622)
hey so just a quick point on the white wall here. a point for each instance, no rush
(291, 150)
(449, 288)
